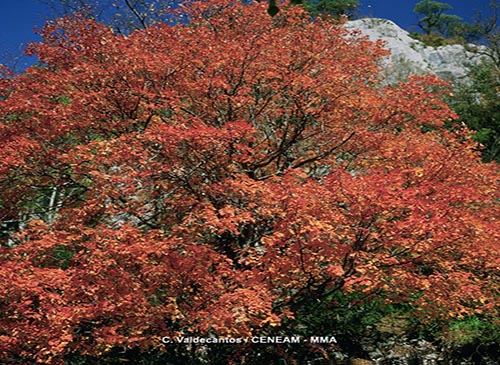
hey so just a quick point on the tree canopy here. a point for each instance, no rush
(208, 178)
(334, 8)
(434, 18)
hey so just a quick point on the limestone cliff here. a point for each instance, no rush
(410, 56)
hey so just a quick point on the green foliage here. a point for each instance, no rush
(437, 40)
(272, 10)
(441, 29)
(434, 19)
(61, 256)
(478, 106)
(355, 317)
(334, 8)
(472, 330)
(465, 32)
(63, 100)
(477, 103)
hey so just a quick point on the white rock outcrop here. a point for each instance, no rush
(410, 56)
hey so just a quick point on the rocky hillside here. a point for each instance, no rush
(410, 56)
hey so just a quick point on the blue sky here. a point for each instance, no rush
(18, 18)
(401, 12)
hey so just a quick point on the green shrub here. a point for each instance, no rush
(472, 330)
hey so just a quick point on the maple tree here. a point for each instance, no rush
(209, 177)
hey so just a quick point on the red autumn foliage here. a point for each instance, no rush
(208, 177)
